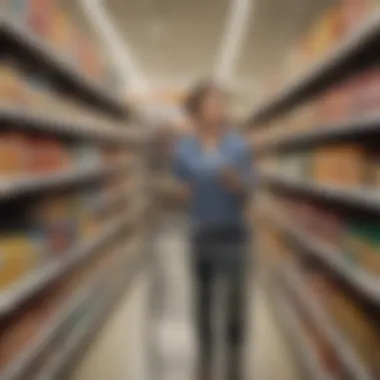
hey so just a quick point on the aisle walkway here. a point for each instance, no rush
(121, 352)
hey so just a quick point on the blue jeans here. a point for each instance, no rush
(220, 253)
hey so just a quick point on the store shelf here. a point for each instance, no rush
(19, 39)
(18, 369)
(14, 187)
(357, 278)
(76, 337)
(367, 199)
(302, 347)
(83, 334)
(355, 51)
(353, 365)
(63, 125)
(348, 130)
(38, 280)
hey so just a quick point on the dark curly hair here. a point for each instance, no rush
(196, 96)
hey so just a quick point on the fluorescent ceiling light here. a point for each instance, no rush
(233, 38)
(119, 51)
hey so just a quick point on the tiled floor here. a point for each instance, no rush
(122, 350)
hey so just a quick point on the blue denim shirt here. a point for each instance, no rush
(212, 205)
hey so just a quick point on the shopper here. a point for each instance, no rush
(213, 168)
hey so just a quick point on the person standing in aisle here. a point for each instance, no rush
(213, 169)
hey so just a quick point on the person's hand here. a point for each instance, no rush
(231, 179)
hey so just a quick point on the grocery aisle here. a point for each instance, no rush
(121, 350)
(118, 352)
(73, 174)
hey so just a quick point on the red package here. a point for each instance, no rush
(48, 154)
(353, 13)
(41, 16)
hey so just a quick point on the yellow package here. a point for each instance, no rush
(18, 256)
(12, 88)
(62, 33)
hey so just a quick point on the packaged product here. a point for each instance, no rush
(53, 218)
(18, 256)
(363, 242)
(83, 53)
(354, 12)
(309, 117)
(341, 104)
(12, 90)
(365, 93)
(334, 104)
(61, 33)
(305, 52)
(352, 242)
(17, 335)
(88, 214)
(344, 164)
(358, 327)
(48, 154)
(306, 213)
(41, 16)
(332, 228)
(318, 284)
(327, 31)
(40, 242)
(372, 170)
(14, 153)
(96, 64)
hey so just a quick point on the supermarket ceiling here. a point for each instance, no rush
(176, 41)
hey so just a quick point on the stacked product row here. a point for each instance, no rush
(32, 235)
(328, 30)
(340, 164)
(344, 332)
(71, 194)
(34, 93)
(49, 21)
(27, 154)
(40, 330)
(318, 221)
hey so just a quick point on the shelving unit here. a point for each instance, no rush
(65, 126)
(19, 40)
(349, 130)
(18, 369)
(318, 217)
(327, 327)
(360, 198)
(83, 207)
(360, 280)
(83, 334)
(291, 326)
(353, 53)
(10, 299)
(22, 186)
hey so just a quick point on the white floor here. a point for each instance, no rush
(122, 350)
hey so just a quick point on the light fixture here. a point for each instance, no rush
(233, 38)
(119, 51)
